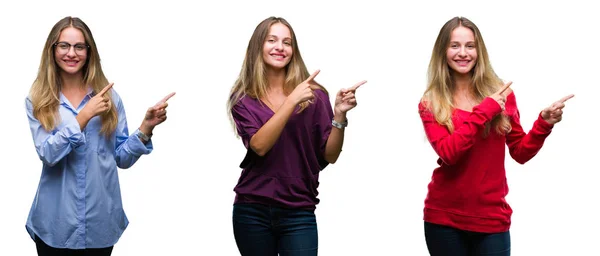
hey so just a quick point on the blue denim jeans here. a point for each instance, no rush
(262, 230)
(444, 240)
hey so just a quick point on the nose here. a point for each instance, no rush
(462, 52)
(279, 46)
(71, 51)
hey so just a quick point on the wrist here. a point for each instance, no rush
(339, 125)
(83, 115)
(340, 117)
(146, 129)
(289, 103)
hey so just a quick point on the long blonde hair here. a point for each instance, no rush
(44, 92)
(438, 96)
(252, 80)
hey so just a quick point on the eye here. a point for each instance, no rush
(454, 46)
(63, 46)
(80, 47)
(288, 43)
(271, 40)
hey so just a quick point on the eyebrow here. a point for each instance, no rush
(70, 43)
(278, 37)
(457, 42)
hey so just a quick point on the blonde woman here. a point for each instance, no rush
(291, 133)
(81, 136)
(469, 114)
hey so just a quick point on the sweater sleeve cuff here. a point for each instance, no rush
(542, 125)
(489, 107)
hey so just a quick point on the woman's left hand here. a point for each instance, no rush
(346, 99)
(155, 115)
(553, 113)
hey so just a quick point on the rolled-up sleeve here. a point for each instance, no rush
(128, 148)
(52, 146)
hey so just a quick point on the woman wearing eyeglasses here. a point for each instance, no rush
(81, 136)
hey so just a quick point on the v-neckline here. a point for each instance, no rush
(267, 105)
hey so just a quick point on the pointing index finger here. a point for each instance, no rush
(312, 77)
(504, 87)
(167, 97)
(105, 89)
(359, 84)
(564, 99)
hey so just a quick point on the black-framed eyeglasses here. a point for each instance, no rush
(64, 47)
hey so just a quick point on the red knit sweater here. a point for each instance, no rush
(467, 191)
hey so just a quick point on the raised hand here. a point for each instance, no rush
(304, 91)
(155, 115)
(346, 99)
(553, 113)
(98, 104)
(500, 96)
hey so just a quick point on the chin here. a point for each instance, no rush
(71, 71)
(277, 66)
(463, 70)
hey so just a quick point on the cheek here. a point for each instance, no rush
(474, 54)
(289, 52)
(450, 54)
(57, 56)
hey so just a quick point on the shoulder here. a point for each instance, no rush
(510, 96)
(244, 101)
(244, 105)
(424, 105)
(28, 103)
(115, 96)
(321, 96)
(511, 103)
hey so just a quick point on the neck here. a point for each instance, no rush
(72, 81)
(462, 83)
(276, 79)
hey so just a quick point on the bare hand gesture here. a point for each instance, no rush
(499, 96)
(155, 115)
(553, 113)
(346, 98)
(304, 91)
(98, 104)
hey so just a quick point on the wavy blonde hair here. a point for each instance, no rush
(438, 97)
(252, 80)
(44, 92)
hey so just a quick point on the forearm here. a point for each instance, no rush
(524, 146)
(264, 139)
(51, 148)
(335, 140)
(450, 147)
(83, 118)
(130, 149)
(146, 130)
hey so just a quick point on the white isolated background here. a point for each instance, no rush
(179, 198)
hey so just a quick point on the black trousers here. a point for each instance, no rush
(45, 250)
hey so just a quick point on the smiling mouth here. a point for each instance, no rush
(71, 63)
(462, 63)
(276, 56)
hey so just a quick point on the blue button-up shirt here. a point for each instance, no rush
(78, 201)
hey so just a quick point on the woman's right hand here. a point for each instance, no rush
(500, 96)
(98, 104)
(304, 91)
